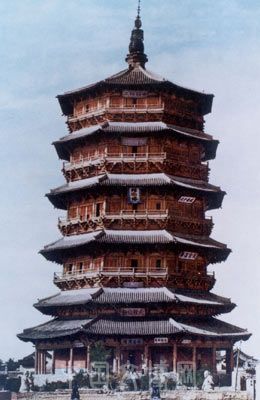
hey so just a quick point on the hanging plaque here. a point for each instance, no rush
(138, 94)
(134, 341)
(159, 340)
(129, 141)
(133, 285)
(134, 195)
(132, 312)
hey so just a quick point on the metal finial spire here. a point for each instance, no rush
(136, 54)
(139, 8)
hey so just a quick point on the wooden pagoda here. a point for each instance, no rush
(135, 243)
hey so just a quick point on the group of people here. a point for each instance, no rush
(132, 379)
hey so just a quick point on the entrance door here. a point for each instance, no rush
(132, 358)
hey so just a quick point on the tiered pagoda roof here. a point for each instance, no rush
(138, 77)
(100, 326)
(65, 144)
(56, 251)
(176, 303)
(59, 196)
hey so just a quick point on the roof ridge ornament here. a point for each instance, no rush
(136, 56)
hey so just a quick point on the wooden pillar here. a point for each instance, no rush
(88, 358)
(71, 360)
(119, 358)
(214, 361)
(146, 355)
(150, 365)
(40, 362)
(53, 361)
(44, 362)
(174, 358)
(194, 363)
(36, 361)
(229, 360)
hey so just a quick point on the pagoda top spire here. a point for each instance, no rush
(136, 54)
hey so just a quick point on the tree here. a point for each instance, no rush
(99, 353)
(12, 365)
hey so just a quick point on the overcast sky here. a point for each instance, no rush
(50, 46)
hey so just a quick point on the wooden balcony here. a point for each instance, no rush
(133, 109)
(131, 219)
(85, 167)
(148, 276)
(105, 271)
(114, 158)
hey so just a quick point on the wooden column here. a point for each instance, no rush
(40, 362)
(119, 359)
(146, 355)
(53, 362)
(71, 360)
(88, 358)
(44, 362)
(194, 363)
(36, 361)
(150, 359)
(229, 360)
(214, 361)
(174, 358)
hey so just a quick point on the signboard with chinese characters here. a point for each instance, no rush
(160, 340)
(186, 199)
(135, 93)
(186, 341)
(133, 284)
(133, 312)
(188, 255)
(134, 195)
(132, 342)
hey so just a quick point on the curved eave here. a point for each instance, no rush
(59, 197)
(66, 100)
(66, 144)
(56, 309)
(54, 329)
(87, 243)
(59, 328)
(89, 298)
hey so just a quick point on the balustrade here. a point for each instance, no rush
(124, 271)
(134, 108)
(172, 216)
(113, 157)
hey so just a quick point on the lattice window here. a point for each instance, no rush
(188, 255)
(186, 199)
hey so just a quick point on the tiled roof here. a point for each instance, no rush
(209, 327)
(121, 236)
(106, 296)
(54, 329)
(155, 179)
(135, 128)
(144, 326)
(59, 196)
(135, 77)
(59, 249)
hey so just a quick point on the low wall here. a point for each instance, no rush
(174, 395)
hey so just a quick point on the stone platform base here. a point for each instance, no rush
(173, 395)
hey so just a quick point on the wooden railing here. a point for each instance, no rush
(126, 271)
(132, 214)
(114, 157)
(107, 271)
(117, 109)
